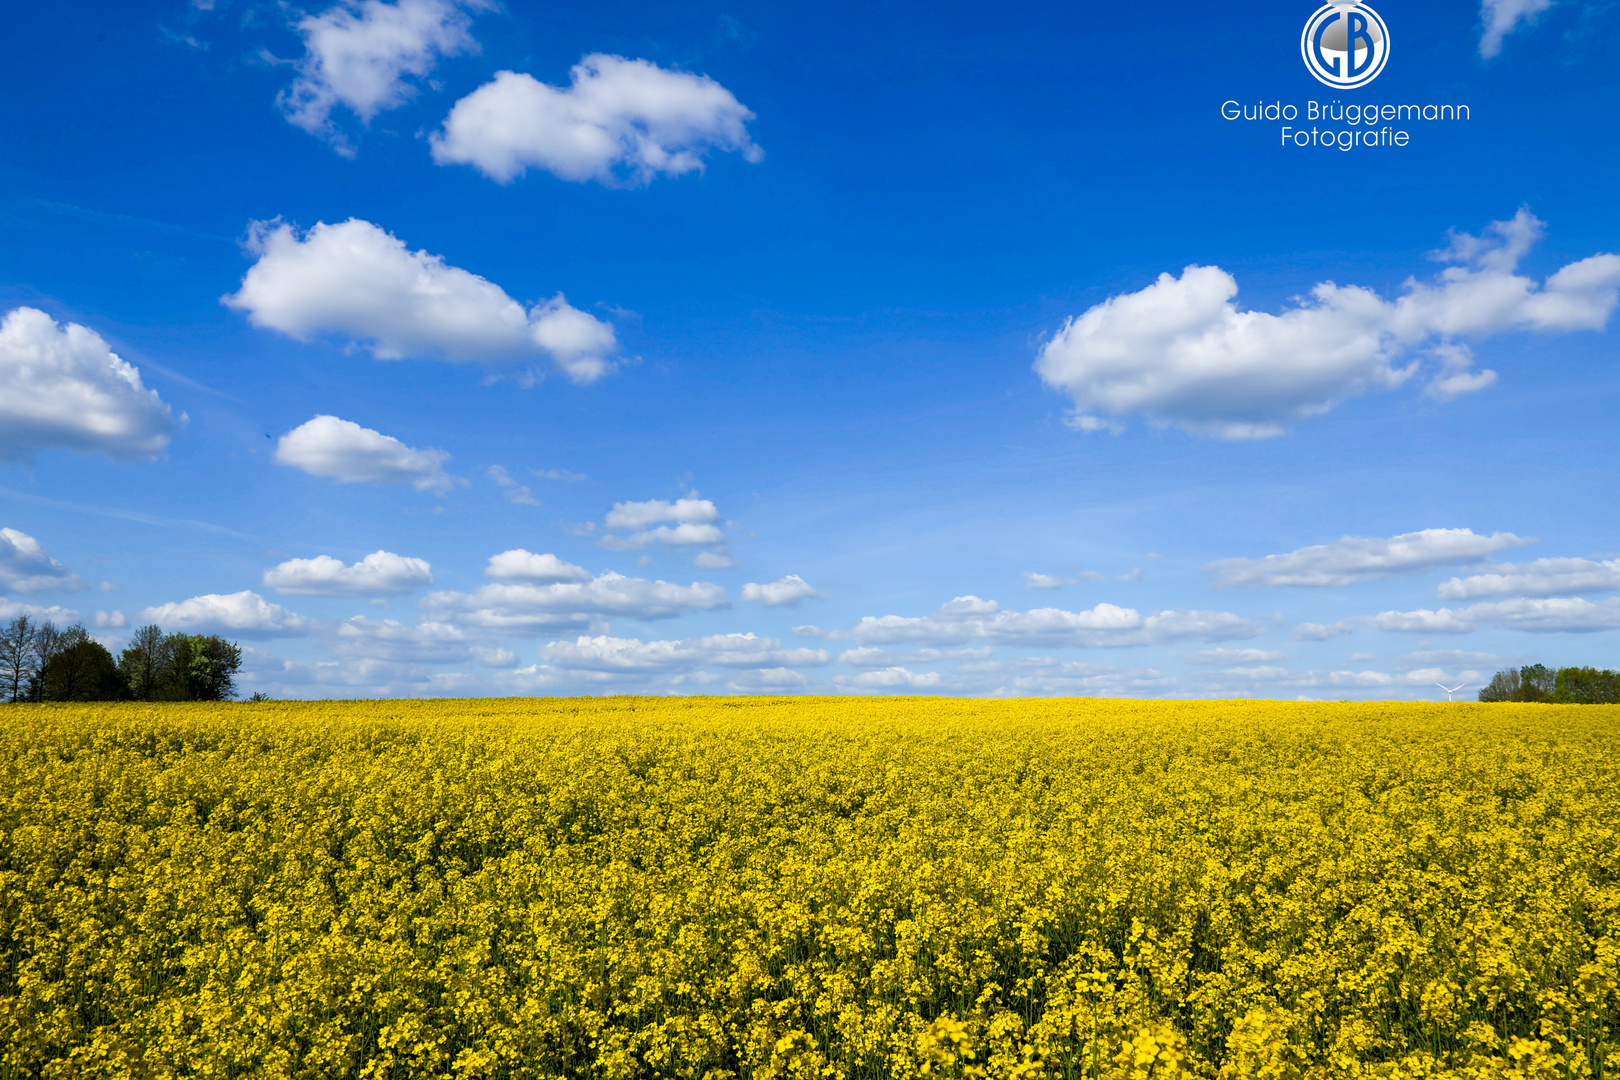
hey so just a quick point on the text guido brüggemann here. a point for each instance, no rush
(1363, 125)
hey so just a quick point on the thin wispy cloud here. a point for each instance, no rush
(1502, 17)
(1354, 559)
(370, 56)
(972, 619)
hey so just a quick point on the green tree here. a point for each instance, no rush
(83, 671)
(1504, 686)
(201, 668)
(1536, 682)
(16, 658)
(1570, 686)
(180, 667)
(50, 642)
(146, 663)
(1533, 682)
(1587, 686)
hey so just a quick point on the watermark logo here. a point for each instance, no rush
(1345, 44)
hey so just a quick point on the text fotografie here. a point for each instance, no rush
(1369, 123)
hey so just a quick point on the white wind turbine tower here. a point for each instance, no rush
(1451, 689)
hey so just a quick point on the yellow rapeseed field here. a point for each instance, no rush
(627, 887)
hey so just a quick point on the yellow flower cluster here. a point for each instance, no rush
(717, 888)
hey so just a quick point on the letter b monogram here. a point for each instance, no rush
(1360, 41)
(1345, 44)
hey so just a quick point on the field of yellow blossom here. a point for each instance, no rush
(710, 887)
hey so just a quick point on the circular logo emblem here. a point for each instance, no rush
(1345, 44)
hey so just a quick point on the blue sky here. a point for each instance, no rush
(884, 348)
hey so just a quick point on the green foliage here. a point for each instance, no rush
(145, 663)
(1587, 686)
(1504, 686)
(1537, 681)
(1566, 686)
(41, 662)
(204, 667)
(180, 667)
(17, 659)
(81, 671)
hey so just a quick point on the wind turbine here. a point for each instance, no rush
(1451, 689)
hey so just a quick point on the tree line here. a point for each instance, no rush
(1565, 686)
(40, 661)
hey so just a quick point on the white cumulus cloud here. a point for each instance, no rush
(618, 122)
(686, 534)
(1456, 376)
(1444, 658)
(61, 616)
(246, 614)
(1556, 614)
(382, 573)
(387, 639)
(1236, 656)
(570, 605)
(520, 565)
(1310, 631)
(344, 451)
(1353, 559)
(1251, 678)
(358, 282)
(1553, 614)
(893, 678)
(64, 387)
(1048, 675)
(867, 656)
(971, 619)
(768, 680)
(638, 515)
(693, 518)
(25, 566)
(362, 55)
(1543, 577)
(580, 344)
(1424, 621)
(784, 592)
(1181, 352)
(1501, 17)
(602, 653)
